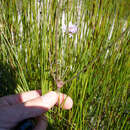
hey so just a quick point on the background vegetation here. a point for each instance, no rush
(33, 47)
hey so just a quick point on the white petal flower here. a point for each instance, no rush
(72, 29)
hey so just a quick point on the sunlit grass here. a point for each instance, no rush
(29, 32)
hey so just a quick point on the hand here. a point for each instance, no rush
(15, 108)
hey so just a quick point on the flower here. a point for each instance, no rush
(72, 29)
(59, 83)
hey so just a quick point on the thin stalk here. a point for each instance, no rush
(56, 38)
(91, 62)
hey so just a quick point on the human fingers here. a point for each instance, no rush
(31, 108)
(64, 101)
(20, 98)
(50, 99)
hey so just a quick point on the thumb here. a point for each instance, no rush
(32, 108)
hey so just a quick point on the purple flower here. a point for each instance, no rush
(72, 29)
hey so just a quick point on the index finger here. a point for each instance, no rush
(20, 98)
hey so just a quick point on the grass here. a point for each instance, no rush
(33, 50)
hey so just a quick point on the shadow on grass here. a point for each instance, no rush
(8, 84)
(7, 80)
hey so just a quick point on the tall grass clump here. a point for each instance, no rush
(93, 62)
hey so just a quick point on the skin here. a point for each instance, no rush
(15, 108)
